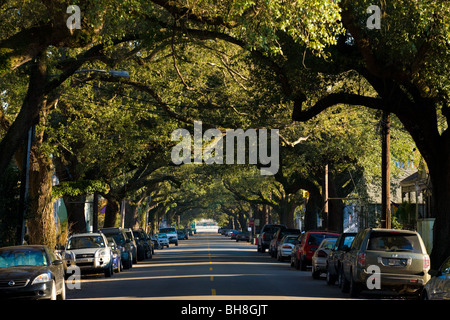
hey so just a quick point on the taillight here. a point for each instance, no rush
(286, 247)
(321, 254)
(362, 259)
(426, 262)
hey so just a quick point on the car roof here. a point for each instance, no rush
(21, 247)
(87, 234)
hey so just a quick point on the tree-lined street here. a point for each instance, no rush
(208, 266)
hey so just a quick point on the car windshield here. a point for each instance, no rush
(22, 257)
(85, 242)
(394, 241)
(316, 238)
(291, 240)
(167, 230)
(329, 244)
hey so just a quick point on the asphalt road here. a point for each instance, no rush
(207, 266)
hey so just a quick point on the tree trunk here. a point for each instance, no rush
(75, 213)
(41, 220)
(111, 212)
(440, 178)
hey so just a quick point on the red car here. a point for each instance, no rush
(308, 244)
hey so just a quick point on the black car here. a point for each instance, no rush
(266, 235)
(31, 272)
(123, 243)
(144, 249)
(334, 258)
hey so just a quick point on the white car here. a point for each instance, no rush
(319, 258)
(171, 233)
(287, 243)
(162, 239)
(92, 253)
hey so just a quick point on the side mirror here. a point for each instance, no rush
(57, 262)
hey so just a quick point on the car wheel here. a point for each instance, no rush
(62, 294)
(296, 264)
(345, 284)
(315, 273)
(109, 270)
(354, 288)
(331, 279)
(302, 264)
(53, 292)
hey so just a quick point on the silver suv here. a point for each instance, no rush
(395, 260)
(92, 253)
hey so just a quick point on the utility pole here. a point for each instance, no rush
(325, 198)
(386, 171)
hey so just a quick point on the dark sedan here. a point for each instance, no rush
(31, 272)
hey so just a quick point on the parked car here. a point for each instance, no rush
(335, 256)
(399, 255)
(92, 254)
(144, 249)
(31, 272)
(123, 243)
(182, 235)
(162, 239)
(171, 233)
(116, 255)
(233, 234)
(304, 250)
(278, 235)
(438, 288)
(243, 236)
(134, 246)
(286, 245)
(266, 235)
(319, 258)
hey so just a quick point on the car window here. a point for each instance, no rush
(348, 241)
(394, 241)
(13, 258)
(86, 242)
(316, 238)
(445, 268)
(167, 230)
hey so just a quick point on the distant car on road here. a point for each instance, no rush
(286, 245)
(266, 235)
(171, 233)
(162, 239)
(308, 244)
(31, 272)
(319, 258)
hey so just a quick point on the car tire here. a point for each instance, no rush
(302, 264)
(315, 273)
(53, 293)
(62, 294)
(354, 288)
(345, 284)
(109, 271)
(331, 279)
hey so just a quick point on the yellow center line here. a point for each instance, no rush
(213, 291)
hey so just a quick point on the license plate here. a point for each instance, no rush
(396, 262)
